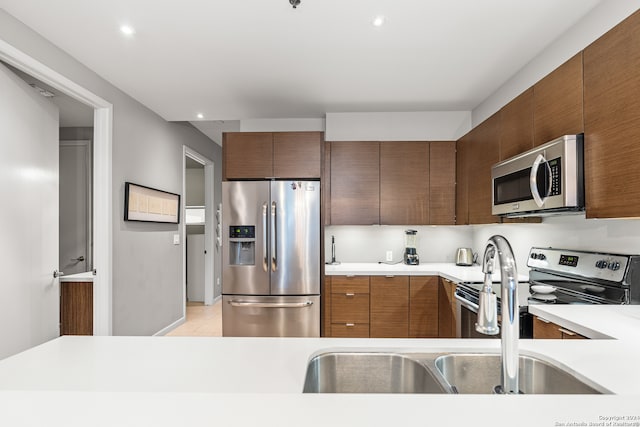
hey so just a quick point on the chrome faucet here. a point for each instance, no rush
(488, 310)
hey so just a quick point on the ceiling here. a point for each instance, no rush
(231, 60)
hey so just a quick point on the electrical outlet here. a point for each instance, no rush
(176, 239)
(389, 255)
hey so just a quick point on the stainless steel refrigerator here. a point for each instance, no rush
(271, 258)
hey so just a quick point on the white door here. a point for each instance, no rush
(29, 295)
(75, 206)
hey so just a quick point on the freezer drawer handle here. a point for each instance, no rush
(235, 303)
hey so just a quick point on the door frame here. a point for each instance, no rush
(209, 186)
(102, 177)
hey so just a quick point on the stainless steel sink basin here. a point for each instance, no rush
(338, 372)
(480, 373)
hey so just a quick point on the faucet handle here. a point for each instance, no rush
(487, 313)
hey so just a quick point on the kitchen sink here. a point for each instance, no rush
(358, 372)
(445, 373)
(479, 374)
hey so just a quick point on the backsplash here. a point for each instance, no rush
(439, 243)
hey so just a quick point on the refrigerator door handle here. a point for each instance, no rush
(240, 303)
(274, 240)
(265, 266)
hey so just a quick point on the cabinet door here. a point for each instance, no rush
(76, 308)
(516, 130)
(558, 102)
(446, 309)
(462, 186)
(389, 307)
(297, 154)
(404, 183)
(325, 188)
(423, 306)
(484, 152)
(611, 111)
(247, 155)
(442, 183)
(355, 183)
(544, 329)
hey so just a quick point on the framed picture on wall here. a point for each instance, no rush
(150, 205)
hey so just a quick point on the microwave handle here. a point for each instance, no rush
(533, 180)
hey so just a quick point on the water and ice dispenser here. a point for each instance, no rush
(242, 245)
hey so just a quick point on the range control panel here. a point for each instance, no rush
(586, 264)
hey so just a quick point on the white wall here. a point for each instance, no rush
(597, 22)
(407, 126)
(369, 243)
(282, 125)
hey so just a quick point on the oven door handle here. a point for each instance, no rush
(467, 304)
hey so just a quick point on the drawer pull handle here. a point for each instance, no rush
(543, 320)
(389, 276)
(350, 295)
(564, 331)
(351, 275)
(350, 325)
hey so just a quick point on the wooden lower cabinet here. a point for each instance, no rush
(545, 329)
(76, 308)
(446, 309)
(423, 306)
(389, 307)
(349, 307)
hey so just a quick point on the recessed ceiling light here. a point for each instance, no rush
(200, 116)
(127, 30)
(378, 21)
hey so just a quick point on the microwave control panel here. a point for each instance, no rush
(555, 167)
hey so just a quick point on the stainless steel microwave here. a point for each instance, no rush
(546, 180)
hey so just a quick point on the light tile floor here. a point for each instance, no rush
(202, 321)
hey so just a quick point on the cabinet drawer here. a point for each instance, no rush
(350, 284)
(389, 280)
(350, 330)
(543, 329)
(353, 308)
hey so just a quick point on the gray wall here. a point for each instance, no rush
(147, 267)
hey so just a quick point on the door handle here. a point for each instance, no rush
(533, 180)
(79, 259)
(57, 274)
(238, 303)
(264, 237)
(274, 241)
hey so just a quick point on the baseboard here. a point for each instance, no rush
(171, 327)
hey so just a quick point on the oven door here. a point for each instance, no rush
(467, 316)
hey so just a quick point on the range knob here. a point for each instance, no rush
(602, 263)
(614, 265)
(534, 255)
(542, 257)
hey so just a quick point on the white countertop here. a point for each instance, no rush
(87, 276)
(168, 381)
(448, 270)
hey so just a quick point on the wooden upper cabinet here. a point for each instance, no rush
(462, 187)
(612, 130)
(516, 130)
(297, 154)
(259, 155)
(247, 155)
(404, 183)
(389, 307)
(423, 306)
(483, 153)
(558, 101)
(355, 183)
(442, 183)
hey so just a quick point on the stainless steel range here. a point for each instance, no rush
(562, 276)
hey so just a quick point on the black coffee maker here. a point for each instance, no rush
(410, 253)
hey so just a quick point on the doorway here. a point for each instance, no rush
(102, 112)
(200, 229)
